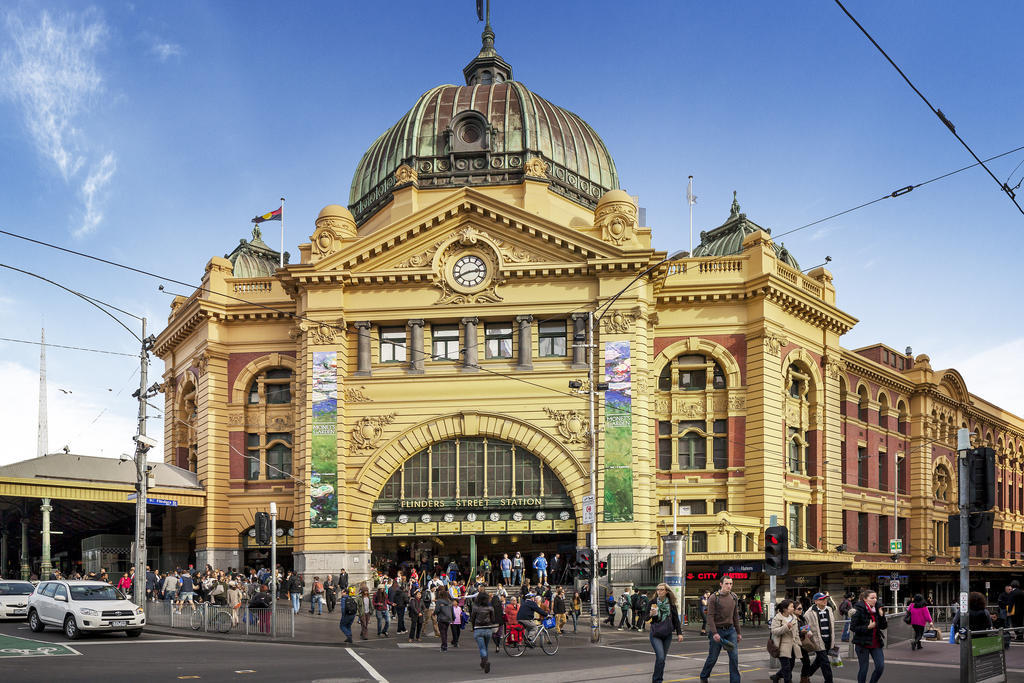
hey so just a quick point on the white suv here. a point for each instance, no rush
(78, 606)
(14, 599)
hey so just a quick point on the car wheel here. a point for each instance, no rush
(71, 629)
(133, 633)
(35, 623)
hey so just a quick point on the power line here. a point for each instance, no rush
(938, 112)
(73, 348)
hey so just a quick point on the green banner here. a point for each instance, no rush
(618, 433)
(323, 472)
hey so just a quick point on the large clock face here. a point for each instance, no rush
(469, 271)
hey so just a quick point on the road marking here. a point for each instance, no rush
(694, 678)
(369, 669)
(246, 671)
(643, 652)
(181, 677)
(16, 646)
(140, 642)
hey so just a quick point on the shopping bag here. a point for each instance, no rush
(834, 658)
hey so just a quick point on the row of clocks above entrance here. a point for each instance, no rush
(516, 516)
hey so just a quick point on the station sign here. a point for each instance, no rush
(155, 501)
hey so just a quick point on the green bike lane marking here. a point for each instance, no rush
(15, 646)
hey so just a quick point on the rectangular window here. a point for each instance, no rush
(794, 451)
(796, 515)
(862, 532)
(737, 542)
(699, 542)
(901, 474)
(665, 508)
(278, 386)
(393, 489)
(552, 485)
(693, 379)
(442, 470)
(392, 345)
(901, 532)
(279, 455)
(720, 444)
(252, 456)
(862, 466)
(552, 339)
(883, 471)
(883, 534)
(498, 340)
(445, 342)
(527, 474)
(664, 445)
(697, 507)
(499, 468)
(471, 467)
(417, 476)
(721, 505)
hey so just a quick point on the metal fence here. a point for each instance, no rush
(209, 618)
(641, 570)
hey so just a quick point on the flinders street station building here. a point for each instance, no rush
(402, 391)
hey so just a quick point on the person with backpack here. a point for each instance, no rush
(723, 627)
(625, 605)
(844, 613)
(867, 622)
(295, 588)
(641, 603)
(784, 640)
(485, 571)
(444, 613)
(349, 612)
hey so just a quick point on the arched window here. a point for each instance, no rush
(863, 403)
(797, 381)
(691, 372)
(883, 407)
(272, 387)
(843, 398)
(797, 451)
(904, 418)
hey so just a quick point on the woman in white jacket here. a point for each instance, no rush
(785, 631)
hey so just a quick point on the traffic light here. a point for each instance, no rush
(776, 551)
(584, 563)
(602, 568)
(979, 529)
(262, 528)
(981, 488)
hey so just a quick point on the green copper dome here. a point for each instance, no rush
(254, 258)
(727, 239)
(484, 133)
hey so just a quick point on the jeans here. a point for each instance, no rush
(346, 625)
(482, 636)
(785, 672)
(821, 662)
(443, 628)
(415, 626)
(316, 604)
(877, 655)
(456, 632)
(400, 615)
(625, 619)
(517, 576)
(846, 632)
(660, 646)
(542, 577)
(382, 618)
(918, 633)
(715, 648)
(295, 602)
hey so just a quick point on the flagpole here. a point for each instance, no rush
(689, 200)
(282, 230)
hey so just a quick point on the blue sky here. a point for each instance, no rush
(150, 133)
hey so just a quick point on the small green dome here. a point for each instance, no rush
(254, 258)
(727, 239)
(484, 133)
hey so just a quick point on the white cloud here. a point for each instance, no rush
(50, 70)
(94, 183)
(165, 51)
(994, 375)
(90, 422)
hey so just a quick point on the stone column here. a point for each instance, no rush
(26, 568)
(525, 323)
(44, 565)
(470, 356)
(415, 346)
(363, 349)
(579, 338)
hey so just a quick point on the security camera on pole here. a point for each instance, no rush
(143, 444)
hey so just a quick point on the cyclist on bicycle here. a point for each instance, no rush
(525, 617)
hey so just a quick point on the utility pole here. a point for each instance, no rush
(595, 624)
(770, 611)
(963, 447)
(142, 445)
(273, 570)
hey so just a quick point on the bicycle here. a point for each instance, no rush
(515, 642)
(220, 621)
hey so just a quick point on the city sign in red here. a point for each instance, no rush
(712, 576)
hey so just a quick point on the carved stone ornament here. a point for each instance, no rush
(280, 424)
(536, 167)
(341, 227)
(202, 362)
(471, 235)
(486, 292)
(324, 241)
(642, 382)
(367, 433)
(661, 405)
(406, 174)
(618, 322)
(775, 343)
(835, 366)
(617, 220)
(683, 408)
(236, 419)
(737, 402)
(322, 333)
(356, 395)
(571, 424)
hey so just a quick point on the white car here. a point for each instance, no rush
(82, 606)
(14, 599)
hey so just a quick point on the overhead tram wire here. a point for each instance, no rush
(73, 348)
(938, 112)
(91, 300)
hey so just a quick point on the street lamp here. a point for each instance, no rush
(595, 628)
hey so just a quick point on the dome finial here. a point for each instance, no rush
(734, 210)
(487, 68)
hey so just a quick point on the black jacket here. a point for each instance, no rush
(859, 622)
(677, 626)
(343, 582)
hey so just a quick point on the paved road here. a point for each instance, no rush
(621, 658)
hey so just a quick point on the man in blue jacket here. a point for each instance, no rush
(525, 617)
(541, 565)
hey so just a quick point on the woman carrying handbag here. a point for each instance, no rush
(664, 618)
(784, 632)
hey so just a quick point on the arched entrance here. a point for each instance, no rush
(467, 498)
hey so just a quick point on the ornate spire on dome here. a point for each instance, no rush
(487, 67)
(734, 210)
